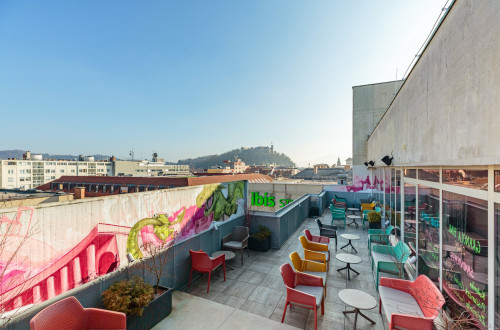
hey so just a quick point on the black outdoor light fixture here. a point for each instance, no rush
(387, 160)
(366, 164)
(371, 162)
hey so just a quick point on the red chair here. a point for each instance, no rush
(316, 239)
(201, 262)
(69, 314)
(303, 290)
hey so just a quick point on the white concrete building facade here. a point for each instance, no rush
(440, 139)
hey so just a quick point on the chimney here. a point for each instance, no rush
(79, 193)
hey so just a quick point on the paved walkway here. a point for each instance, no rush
(257, 287)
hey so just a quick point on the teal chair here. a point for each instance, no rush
(338, 214)
(390, 259)
(379, 236)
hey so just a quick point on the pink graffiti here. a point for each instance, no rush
(360, 185)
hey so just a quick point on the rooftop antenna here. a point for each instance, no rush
(131, 153)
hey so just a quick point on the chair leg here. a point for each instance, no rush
(241, 257)
(224, 268)
(208, 287)
(190, 276)
(380, 305)
(284, 312)
(248, 252)
(323, 307)
(315, 318)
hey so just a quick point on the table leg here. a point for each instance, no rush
(350, 243)
(356, 311)
(353, 222)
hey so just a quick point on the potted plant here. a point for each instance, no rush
(145, 304)
(374, 218)
(260, 240)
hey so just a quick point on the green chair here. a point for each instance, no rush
(379, 236)
(390, 259)
(338, 214)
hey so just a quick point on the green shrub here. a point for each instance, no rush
(128, 296)
(262, 234)
(395, 219)
(373, 216)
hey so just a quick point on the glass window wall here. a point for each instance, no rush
(465, 255)
(428, 232)
(428, 174)
(476, 179)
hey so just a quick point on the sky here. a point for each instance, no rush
(193, 78)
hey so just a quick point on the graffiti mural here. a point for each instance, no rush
(78, 242)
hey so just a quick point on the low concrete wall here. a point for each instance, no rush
(176, 273)
(353, 198)
(284, 222)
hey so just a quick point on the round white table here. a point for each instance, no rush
(352, 209)
(359, 300)
(348, 259)
(353, 217)
(411, 224)
(349, 237)
(229, 256)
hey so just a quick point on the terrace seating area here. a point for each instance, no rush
(256, 291)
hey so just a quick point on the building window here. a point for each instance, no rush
(11, 179)
(465, 253)
(476, 179)
(428, 175)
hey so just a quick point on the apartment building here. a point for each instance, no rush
(148, 168)
(31, 173)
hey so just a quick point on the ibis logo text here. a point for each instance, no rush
(258, 200)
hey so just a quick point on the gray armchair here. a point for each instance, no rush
(327, 231)
(237, 240)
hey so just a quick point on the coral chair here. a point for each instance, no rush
(315, 251)
(327, 231)
(69, 314)
(316, 239)
(309, 267)
(201, 262)
(302, 290)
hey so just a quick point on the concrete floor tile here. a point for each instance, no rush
(240, 289)
(242, 320)
(249, 276)
(266, 296)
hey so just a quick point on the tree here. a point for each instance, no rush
(157, 256)
(15, 271)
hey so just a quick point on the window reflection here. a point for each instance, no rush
(477, 179)
(428, 175)
(497, 261)
(410, 173)
(410, 234)
(497, 181)
(465, 254)
(427, 213)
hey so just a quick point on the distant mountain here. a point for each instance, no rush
(5, 154)
(251, 156)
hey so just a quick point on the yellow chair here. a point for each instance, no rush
(315, 251)
(309, 267)
(367, 206)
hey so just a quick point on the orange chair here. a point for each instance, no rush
(201, 262)
(315, 251)
(69, 314)
(303, 290)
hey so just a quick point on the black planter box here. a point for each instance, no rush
(153, 313)
(374, 225)
(256, 245)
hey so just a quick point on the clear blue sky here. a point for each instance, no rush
(191, 78)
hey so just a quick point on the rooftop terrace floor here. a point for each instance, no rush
(254, 294)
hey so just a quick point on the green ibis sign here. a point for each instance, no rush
(265, 200)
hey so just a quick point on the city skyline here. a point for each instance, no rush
(187, 81)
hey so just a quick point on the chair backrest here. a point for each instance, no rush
(200, 260)
(297, 261)
(64, 314)
(305, 242)
(320, 224)
(365, 212)
(308, 234)
(389, 230)
(239, 233)
(402, 252)
(288, 275)
(428, 296)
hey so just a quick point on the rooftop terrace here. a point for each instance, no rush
(253, 295)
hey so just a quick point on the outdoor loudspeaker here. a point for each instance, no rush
(371, 162)
(387, 160)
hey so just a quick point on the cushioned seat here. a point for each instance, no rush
(399, 302)
(315, 291)
(376, 257)
(233, 245)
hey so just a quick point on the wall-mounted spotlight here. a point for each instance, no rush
(371, 162)
(366, 164)
(387, 160)
(130, 257)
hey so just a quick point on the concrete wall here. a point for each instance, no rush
(369, 103)
(280, 191)
(446, 112)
